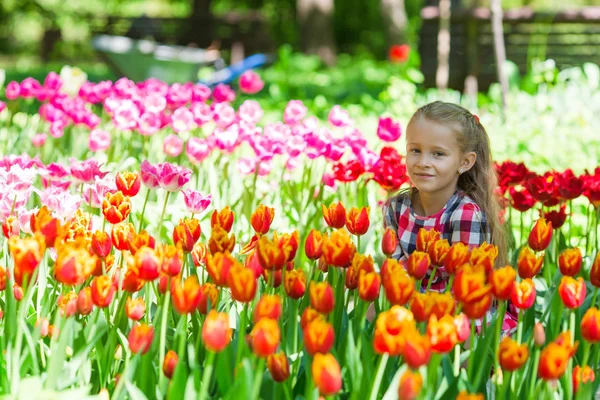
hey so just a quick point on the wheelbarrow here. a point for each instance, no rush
(139, 60)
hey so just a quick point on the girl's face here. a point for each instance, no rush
(434, 158)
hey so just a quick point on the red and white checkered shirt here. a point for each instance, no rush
(460, 220)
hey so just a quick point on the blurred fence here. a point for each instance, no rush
(569, 37)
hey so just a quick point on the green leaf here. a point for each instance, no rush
(134, 391)
(58, 354)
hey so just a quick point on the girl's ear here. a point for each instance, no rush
(468, 161)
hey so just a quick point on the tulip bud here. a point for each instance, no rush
(540, 235)
(539, 335)
(335, 215)
(389, 242)
(169, 363)
(140, 338)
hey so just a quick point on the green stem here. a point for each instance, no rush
(456, 360)
(505, 385)
(472, 347)
(206, 375)
(258, 374)
(377, 382)
(520, 326)
(536, 361)
(586, 353)
(163, 328)
(593, 303)
(241, 334)
(162, 214)
(431, 277)
(144, 210)
(499, 323)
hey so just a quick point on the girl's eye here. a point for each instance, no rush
(438, 154)
(414, 151)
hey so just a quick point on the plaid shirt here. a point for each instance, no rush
(460, 220)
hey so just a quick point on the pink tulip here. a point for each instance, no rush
(2, 106)
(247, 166)
(182, 120)
(250, 82)
(202, 113)
(172, 145)
(172, 177)
(339, 117)
(250, 111)
(226, 139)
(200, 93)
(13, 90)
(197, 150)
(223, 93)
(223, 115)
(61, 201)
(29, 88)
(38, 140)
(195, 201)
(294, 112)
(126, 115)
(86, 171)
(149, 123)
(99, 140)
(154, 103)
(149, 175)
(178, 95)
(98, 190)
(388, 130)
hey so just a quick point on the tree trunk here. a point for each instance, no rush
(395, 21)
(315, 18)
(499, 49)
(443, 47)
(201, 24)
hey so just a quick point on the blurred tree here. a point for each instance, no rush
(395, 22)
(315, 18)
(200, 25)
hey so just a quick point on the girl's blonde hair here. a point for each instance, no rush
(480, 181)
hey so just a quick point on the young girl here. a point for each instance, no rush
(453, 181)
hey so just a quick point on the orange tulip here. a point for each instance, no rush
(502, 281)
(10, 226)
(389, 242)
(572, 291)
(438, 250)
(313, 245)
(186, 234)
(392, 328)
(101, 244)
(410, 385)
(279, 366)
(44, 223)
(116, 207)
(67, 303)
(477, 308)
(103, 291)
(295, 283)
(84, 301)
(338, 248)
(171, 259)
(470, 284)
(18, 292)
(425, 238)
(137, 240)
(463, 327)
(569, 261)
(135, 308)
(511, 354)
(458, 254)
(289, 242)
(186, 298)
(565, 340)
(553, 362)
(419, 306)
(484, 256)
(309, 315)
(209, 298)
(265, 337)
(440, 304)
(242, 283)
(140, 338)
(540, 235)
(170, 363)
(417, 350)
(399, 287)
(262, 218)
(223, 218)
(218, 266)
(199, 253)
(327, 375)
(335, 215)
(595, 271)
(590, 325)
(357, 221)
(582, 375)
(73, 265)
(442, 333)
(369, 284)
(26, 253)
(269, 306)
(417, 265)
(131, 281)
(129, 183)
(220, 241)
(216, 333)
(270, 255)
(147, 263)
(120, 234)
(318, 336)
(524, 294)
(322, 298)
(529, 265)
